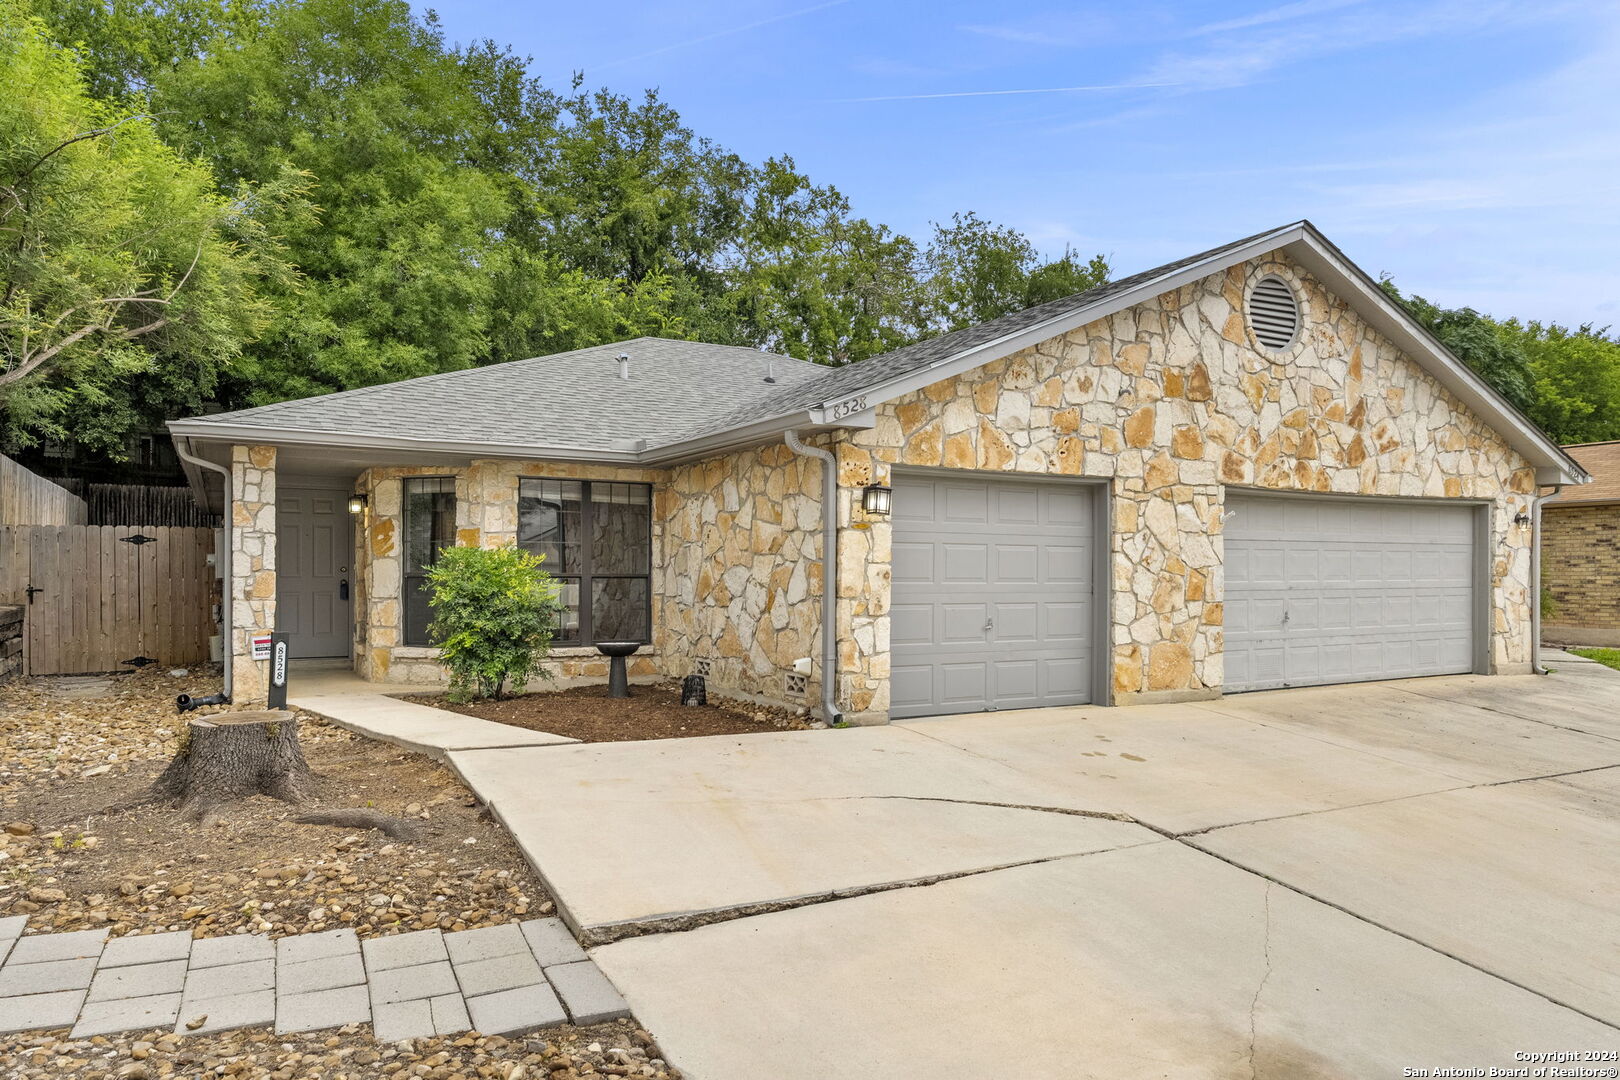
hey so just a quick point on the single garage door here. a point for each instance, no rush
(1340, 590)
(992, 596)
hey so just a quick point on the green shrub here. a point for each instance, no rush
(494, 612)
(1549, 603)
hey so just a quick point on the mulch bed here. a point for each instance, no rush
(65, 756)
(69, 864)
(651, 712)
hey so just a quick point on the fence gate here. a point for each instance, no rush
(96, 597)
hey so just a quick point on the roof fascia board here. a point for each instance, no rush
(245, 434)
(1320, 257)
(686, 450)
(1000, 347)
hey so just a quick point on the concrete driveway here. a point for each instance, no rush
(1343, 882)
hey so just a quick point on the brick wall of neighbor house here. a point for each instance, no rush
(1580, 567)
(1172, 401)
(253, 566)
(486, 515)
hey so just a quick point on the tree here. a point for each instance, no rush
(1577, 379)
(975, 271)
(123, 45)
(494, 612)
(118, 257)
(1473, 339)
(399, 268)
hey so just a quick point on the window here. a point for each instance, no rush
(430, 527)
(596, 538)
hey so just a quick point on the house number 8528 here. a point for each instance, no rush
(849, 407)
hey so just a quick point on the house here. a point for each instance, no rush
(1581, 549)
(1244, 469)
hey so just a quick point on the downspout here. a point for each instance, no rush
(1535, 579)
(182, 447)
(829, 574)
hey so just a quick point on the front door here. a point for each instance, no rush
(313, 583)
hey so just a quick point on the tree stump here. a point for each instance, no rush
(230, 756)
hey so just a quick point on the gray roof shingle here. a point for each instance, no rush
(843, 382)
(572, 399)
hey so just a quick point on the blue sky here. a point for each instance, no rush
(1470, 149)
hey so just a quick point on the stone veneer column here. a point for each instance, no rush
(253, 567)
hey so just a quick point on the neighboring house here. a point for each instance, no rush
(1245, 469)
(1581, 552)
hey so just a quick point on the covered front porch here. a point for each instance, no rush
(713, 566)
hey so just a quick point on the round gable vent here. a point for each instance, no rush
(1273, 312)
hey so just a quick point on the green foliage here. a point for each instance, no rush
(1567, 381)
(1577, 379)
(1473, 338)
(125, 43)
(460, 213)
(127, 281)
(494, 613)
(1549, 603)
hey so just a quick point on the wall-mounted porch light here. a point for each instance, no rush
(357, 503)
(876, 499)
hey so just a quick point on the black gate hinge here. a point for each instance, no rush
(138, 539)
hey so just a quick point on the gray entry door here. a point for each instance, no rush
(313, 551)
(1322, 590)
(992, 596)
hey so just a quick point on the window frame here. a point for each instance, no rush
(584, 577)
(412, 584)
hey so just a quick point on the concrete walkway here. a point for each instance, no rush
(499, 980)
(1341, 882)
(341, 696)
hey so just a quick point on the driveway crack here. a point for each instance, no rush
(1254, 1003)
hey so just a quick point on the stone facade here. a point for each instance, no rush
(253, 567)
(1168, 403)
(742, 584)
(1580, 570)
(1171, 401)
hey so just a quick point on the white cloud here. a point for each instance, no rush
(1299, 10)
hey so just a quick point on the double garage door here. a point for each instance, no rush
(1335, 590)
(993, 603)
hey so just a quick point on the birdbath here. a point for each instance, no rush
(616, 651)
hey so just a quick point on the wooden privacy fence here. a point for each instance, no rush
(29, 499)
(96, 597)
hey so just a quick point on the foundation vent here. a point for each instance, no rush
(796, 684)
(704, 667)
(1273, 312)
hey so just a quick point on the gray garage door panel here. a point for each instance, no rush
(1325, 591)
(991, 607)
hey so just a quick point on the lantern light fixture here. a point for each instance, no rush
(357, 503)
(877, 499)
